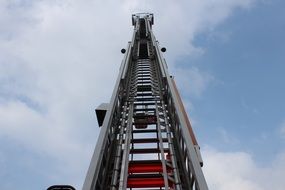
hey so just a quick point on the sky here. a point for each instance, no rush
(59, 59)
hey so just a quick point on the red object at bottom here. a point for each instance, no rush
(145, 182)
(145, 168)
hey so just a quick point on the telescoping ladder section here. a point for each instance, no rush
(146, 140)
(148, 155)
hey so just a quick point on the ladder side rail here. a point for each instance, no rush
(132, 84)
(157, 90)
(156, 50)
(172, 149)
(183, 146)
(109, 156)
(189, 148)
(189, 127)
(101, 146)
(172, 152)
(125, 159)
(95, 166)
(119, 151)
(165, 173)
(179, 152)
(191, 153)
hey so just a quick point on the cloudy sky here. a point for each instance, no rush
(59, 59)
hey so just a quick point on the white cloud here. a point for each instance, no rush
(188, 18)
(59, 59)
(238, 170)
(45, 134)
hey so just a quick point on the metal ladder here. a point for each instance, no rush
(146, 141)
(145, 116)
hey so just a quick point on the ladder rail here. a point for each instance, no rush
(165, 173)
(125, 159)
(163, 108)
(171, 150)
(119, 151)
(195, 168)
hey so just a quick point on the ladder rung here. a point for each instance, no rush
(146, 166)
(147, 151)
(145, 181)
(144, 161)
(144, 81)
(146, 99)
(145, 131)
(146, 176)
(147, 140)
(144, 103)
(144, 94)
(144, 109)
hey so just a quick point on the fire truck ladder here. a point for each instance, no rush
(146, 141)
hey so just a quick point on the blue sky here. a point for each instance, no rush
(59, 59)
(246, 56)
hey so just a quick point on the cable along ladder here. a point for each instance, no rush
(146, 140)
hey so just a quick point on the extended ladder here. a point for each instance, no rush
(146, 140)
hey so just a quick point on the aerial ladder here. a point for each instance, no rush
(146, 141)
